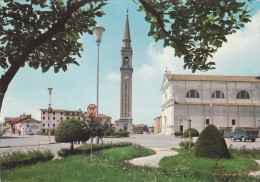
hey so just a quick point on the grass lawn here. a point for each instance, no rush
(109, 165)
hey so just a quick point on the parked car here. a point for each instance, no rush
(244, 133)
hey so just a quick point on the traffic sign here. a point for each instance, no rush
(92, 109)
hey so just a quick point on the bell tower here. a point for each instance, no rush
(126, 81)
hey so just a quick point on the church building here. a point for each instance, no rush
(125, 121)
(225, 101)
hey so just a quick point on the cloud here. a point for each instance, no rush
(239, 56)
(113, 76)
(20, 107)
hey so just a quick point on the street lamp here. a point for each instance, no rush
(98, 30)
(189, 134)
(49, 111)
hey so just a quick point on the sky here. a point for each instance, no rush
(76, 88)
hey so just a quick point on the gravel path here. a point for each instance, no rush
(153, 160)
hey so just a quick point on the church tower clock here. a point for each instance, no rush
(126, 81)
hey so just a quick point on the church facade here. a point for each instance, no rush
(125, 121)
(225, 101)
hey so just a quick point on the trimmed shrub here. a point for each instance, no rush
(71, 130)
(86, 149)
(211, 144)
(193, 131)
(109, 132)
(185, 144)
(122, 133)
(13, 159)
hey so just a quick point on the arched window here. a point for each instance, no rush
(243, 95)
(126, 61)
(218, 94)
(192, 94)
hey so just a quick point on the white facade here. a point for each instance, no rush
(56, 116)
(225, 101)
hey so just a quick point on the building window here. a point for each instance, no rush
(218, 94)
(43, 124)
(28, 126)
(61, 118)
(61, 113)
(67, 117)
(233, 122)
(53, 125)
(192, 94)
(207, 121)
(53, 113)
(243, 95)
(43, 118)
(107, 120)
(100, 119)
(43, 112)
(78, 118)
(53, 118)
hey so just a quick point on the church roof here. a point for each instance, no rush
(173, 77)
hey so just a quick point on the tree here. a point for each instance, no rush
(211, 144)
(71, 130)
(193, 132)
(96, 128)
(43, 33)
(194, 28)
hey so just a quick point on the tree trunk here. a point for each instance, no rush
(6, 80)
(71, 147)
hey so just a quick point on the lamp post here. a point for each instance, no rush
(189, 134)
(98, 30)
(49, 111)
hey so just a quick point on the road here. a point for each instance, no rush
(15, 142)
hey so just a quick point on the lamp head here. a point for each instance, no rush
(98, 30)
(50, 90)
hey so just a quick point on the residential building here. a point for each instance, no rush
(102, 118)
(158, 125)
(23, 125)
(225, 101)
(56, 116)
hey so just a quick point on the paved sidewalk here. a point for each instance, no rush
(153, 160)
(257, 173)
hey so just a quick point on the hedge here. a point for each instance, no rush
(86, 149)
(12, 159)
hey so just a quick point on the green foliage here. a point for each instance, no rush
(95, 127)
(52, 132)
(211, 144)
(13, 159)
(185, 144)
(86, 149)
(109, 132)
(205, 169)
(194, 28)
(71, 130)
(47, 32)
(245, 153)
(194, 132)
(107, 165)
(122, 133)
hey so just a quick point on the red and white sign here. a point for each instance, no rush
(92, 109)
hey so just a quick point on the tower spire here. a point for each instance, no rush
(127, 37)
